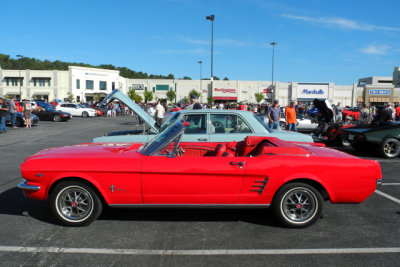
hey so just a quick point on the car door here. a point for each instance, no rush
(195, 127)
(192, 180)
(228, 127)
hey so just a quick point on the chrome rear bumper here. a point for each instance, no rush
(25, 186)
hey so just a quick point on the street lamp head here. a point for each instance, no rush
(200, 62)
(20, 56)
(211, 17)
(273, 43)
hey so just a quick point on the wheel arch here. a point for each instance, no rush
(316, 184)
(82, 180)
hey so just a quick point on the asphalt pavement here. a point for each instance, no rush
(366, 234)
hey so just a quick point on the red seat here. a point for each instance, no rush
(220, 149)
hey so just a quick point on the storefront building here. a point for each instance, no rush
(91, 84)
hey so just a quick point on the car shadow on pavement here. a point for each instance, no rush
(13, 202)
(259, 216)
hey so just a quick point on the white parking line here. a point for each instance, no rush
(388, 196)
(199, 252)
(390, 183)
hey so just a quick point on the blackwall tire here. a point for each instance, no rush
(390, 148)
(344, 142)
(19, 122)
(56, 118)
(282, 125)
(85, 114)
(297, 205)
(75, 204)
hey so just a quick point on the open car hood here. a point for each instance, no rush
(324, 108)
(116, 94)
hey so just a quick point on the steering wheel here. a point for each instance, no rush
(218, 124)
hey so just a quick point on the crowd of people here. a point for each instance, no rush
(13, 107)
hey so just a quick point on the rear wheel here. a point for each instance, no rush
(344, 142)
(19, 122)
(57, 118)
(297, 205)
(85, 114)
(75, 204)
(390, 148)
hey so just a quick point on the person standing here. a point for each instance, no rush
(27, 110)
(3, 114)
(151, 111)
(338, 111)
(290, 115)
(13, 112)
(397, 109)
(160, 111)
(274, 115)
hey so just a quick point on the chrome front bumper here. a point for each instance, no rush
(25, 186)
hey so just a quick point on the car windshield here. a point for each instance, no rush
(170, 121)
(172, 133)
(263, 123)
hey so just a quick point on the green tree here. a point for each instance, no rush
(259, 97)
(194, 92)
(186, 78)
(210, 100)
(135, 97)
(216, 78)
(148, 96)
(171, 95)
(186, 100)
(70, 96)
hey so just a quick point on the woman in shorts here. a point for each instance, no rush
(27, 110)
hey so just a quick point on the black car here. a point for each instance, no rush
(46, 113)
(383, 137)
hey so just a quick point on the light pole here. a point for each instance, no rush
(211, 18)
(19, 75)
(201, 89)
(273, 54)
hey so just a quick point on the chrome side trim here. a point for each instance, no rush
(25, 186)
(378, 183)
(205, 206)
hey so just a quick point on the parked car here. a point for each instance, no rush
(99, 111)
(76, 110)
(49, 114)
(352, 112)
(20, 119)
(304, 124)
(382, 137)
(202, 125)
(259, 171)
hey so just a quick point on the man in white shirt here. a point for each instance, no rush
(151, 111)
(160, 111)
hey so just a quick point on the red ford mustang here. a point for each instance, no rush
(294, 179)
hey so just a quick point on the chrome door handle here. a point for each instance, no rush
(237, 163)
(202, 139)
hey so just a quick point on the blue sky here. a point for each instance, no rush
(318, 41)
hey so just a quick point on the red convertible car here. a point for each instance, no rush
(293, 178)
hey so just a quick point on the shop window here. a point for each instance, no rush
(103, 85)
(89, 84)
(78, 84)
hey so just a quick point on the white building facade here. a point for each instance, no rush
(92, 84)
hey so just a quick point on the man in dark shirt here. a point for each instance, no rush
(3, 114)
(382, 115)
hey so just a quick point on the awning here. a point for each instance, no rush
(396, 99)
(13, 77)
(225, 98)
(11, 93)
(49, 78)
(360, 99)
(40, 93)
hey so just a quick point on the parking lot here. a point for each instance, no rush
(367, 234)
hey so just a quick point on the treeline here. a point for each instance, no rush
(6, 62)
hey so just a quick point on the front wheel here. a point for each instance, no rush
(297, 205)
(85, 114)
(75, 204)
(390, 148)
(57, 118)
(19, 122)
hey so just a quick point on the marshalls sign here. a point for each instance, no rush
(312, 90)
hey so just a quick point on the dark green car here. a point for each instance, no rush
(383, 137)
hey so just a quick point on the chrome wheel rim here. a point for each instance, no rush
(299, 205)
(390, 148)
(74, 204)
